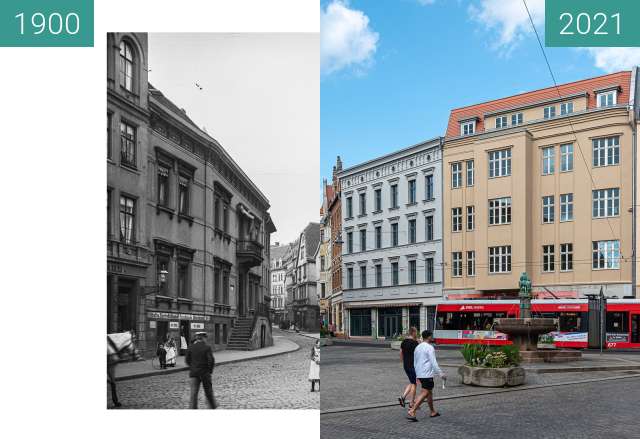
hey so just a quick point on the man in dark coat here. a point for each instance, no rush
(201, 363)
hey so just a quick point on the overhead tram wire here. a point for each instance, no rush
(573, 131)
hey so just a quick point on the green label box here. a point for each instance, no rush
(46, 23)
(592, 23)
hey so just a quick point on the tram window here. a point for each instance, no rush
(479, 321)
(617, 322)
(573, 322)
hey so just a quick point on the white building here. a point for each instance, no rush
(277, 272)
(392, 241)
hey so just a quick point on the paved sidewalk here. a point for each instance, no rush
(140, 369)
(315, 335)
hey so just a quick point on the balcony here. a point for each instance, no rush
(249, 253)
(127, 252)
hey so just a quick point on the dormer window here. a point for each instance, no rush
(126, 66)
(467, 127)
(550, 112)
(607, 98)
(501, 122)
(566, 108)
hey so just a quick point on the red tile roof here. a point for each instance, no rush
(621, 79)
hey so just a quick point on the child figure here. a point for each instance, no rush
(162, 356)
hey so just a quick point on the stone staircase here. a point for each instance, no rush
(241, 334)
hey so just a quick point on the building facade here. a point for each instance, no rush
(304, 309)
(323, 258)
(188, 232)
(278, 273)
(334, 219)
(543, 182)
(392, 241)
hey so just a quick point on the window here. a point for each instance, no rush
(456, 219)
(456, 175)
(550, 112)
(412, 272)
(394, 234)
(500, 259)
(548, 258)
(322, 264)
(394, 273)
(428, 187)
(412, 231)
(548, 209)
(471, 263)
(183, 280)
(606, 255)
(127, 219)
(618, 322)
(127, 144)
(350, 278)
(349, 242)
(566, 157)
(363, 240)
(548, 158)
(428, 269)
(470, 172)
(566, 108)
(566, 207)
(217, 286)
(163, 186)
(516, 119)
(500, 163)
(606, 203)
(606, 151)
(394, 196)
(411, 195)
(607, 99)
(363, 203)
(468, 127)
(500, 211)
(456, 264)
(109, 135)
(126, 66)
(378, 275)
(378, 199)
(349, 207)
(378, 232)
(566, 257)
(109, 219)
(363, 276)
(501, 121)
(225, 217)
(428, 220)
(471, 213)
(183, 195)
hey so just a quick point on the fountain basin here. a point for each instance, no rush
(492, 377)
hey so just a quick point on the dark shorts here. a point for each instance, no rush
(411, 374)
(426, 383)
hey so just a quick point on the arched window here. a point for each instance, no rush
(126, 65)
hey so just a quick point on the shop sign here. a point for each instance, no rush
(152, 324)
(197, 326)
(114, 267)
(617, 338)
(159, 315)
(174, 325)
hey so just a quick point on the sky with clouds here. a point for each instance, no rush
(391, 70)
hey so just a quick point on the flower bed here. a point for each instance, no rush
(491, 366)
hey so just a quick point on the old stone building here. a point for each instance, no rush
(188, 231)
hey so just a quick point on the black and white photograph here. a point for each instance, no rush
(212, 169)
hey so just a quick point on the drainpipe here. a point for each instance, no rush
(204, 216)
(634, 179)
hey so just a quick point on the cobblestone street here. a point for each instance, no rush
(278, 382)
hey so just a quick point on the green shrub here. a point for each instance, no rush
(479, 355)
(512, 353)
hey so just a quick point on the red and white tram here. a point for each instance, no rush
(471, 321)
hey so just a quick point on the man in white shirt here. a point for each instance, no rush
(425, 364)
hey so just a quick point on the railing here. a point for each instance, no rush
(251, 247)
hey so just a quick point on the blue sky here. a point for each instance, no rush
(390, 82)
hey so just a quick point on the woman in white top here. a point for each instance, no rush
(314, 367)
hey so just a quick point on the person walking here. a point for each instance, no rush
(162, 356)
(314, 367)
(407, 348)
(201, 363)
(425, 364)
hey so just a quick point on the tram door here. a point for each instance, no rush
(635, 328)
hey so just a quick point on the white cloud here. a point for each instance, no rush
(346, 40)
(508, 18)
(613, 59)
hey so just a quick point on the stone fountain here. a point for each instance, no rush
(524, 331)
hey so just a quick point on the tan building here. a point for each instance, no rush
(542, 182)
